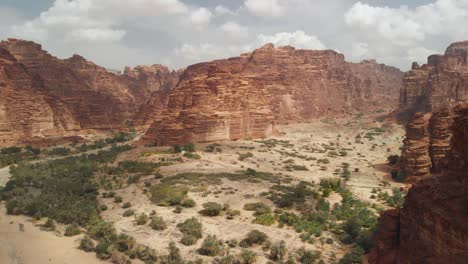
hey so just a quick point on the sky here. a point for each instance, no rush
(178, 33)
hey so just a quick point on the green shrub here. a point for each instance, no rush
(255, 237)
(72, 230)
(104, 249)
(174, 256)
(308, 256)
(192, 231)
(191, 155)
(146, 254)
(86, 244)
(142, 219)
(188, 203)
(117, 199)
(126, 205)
(211, 246)
(278, 251)
(247, 257)
(212, 209)
(353, 257)
(265, 219)
(166, 194)
(124, 243)
(158, 223)
(49, 225)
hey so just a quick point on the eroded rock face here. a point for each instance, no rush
(244, 97)
(431, 226)
(441, 83)
(426, 144)
(25, 110)
(79, 95)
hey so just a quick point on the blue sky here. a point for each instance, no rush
(115, 33)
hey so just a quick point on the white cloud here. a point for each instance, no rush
(264, 8)
(235, 30)
(298, 39)
(405, 27)
(419, 54)
(200, 17)
(222, 10)
(97, 34)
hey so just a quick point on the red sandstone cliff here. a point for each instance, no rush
(431, 227)
(441, 83)
(47, 96)
(244, 97)
(426, 144)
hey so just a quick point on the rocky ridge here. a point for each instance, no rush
(245, 97)
(441, 83)
(426, 145)
(44, 96)
(431, 226)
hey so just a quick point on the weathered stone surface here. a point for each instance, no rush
(431, 226)
(244, 97)
(441, 83)
(426, 144)
(43, 96)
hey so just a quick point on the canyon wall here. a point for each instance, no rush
(431, 226)
(244, 97)
(426, 145)
(43, 96)
(441, 83)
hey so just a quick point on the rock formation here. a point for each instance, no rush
(431, 227)
(426, 144)
(244, 97)
(441, 83)
(44, 96)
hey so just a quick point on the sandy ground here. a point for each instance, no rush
(369, 157)
(34, 246)
(306, 142)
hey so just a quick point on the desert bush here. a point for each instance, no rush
(86, 244)
(118, 199)
(49, 225)
(72, 230)
(243, 156)
(212, 209)
(355, 256)
(124, 243)
(128, 213)
(188, 203)
(211, 246)
(265, 219)
(247, 257)
(126, 205)
(104, 250)
(145, 254)
(278, 251)
(174, 256)
(166, 194)
(141, 219)
(308, 256)
(158, 223)
(191, 155)
(192, 231)
(255, 237)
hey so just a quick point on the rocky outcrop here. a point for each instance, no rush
(441, 83)
(426, 144)
(244, 97)
(79, 95)
(25, 110)
(431, 226)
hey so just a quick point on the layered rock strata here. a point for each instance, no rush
(244, 97)
(426, 144)
(431, 226)
(441, 83)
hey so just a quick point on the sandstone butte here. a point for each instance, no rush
(245, 97)
(42, 96)
(441, 83)
(431, 227)
(432, 89)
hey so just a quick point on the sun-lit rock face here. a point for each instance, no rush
(431, 226)
(25, 110)
(426, 144)
(244, 97)
(441, 83)
(46, 96)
